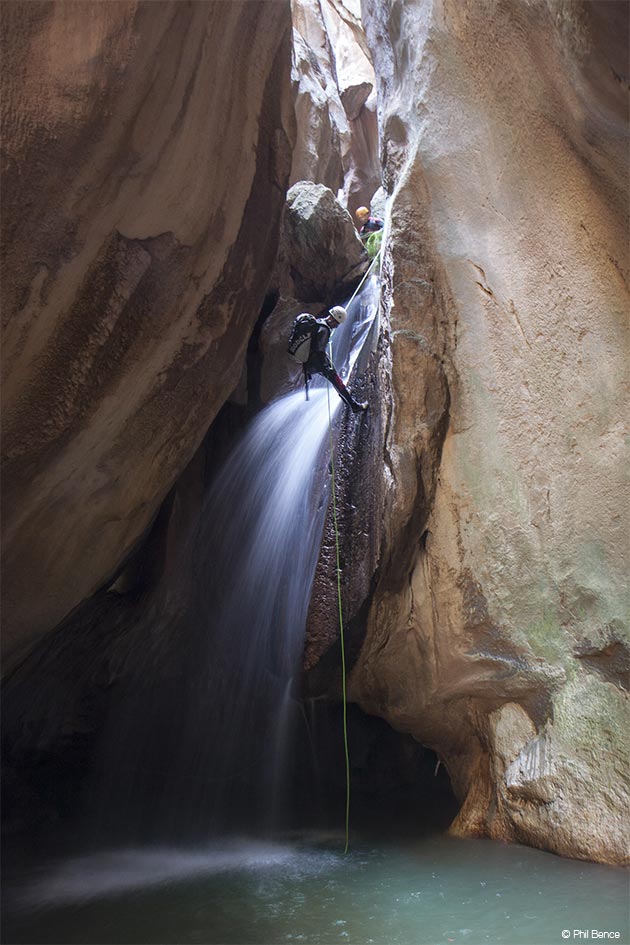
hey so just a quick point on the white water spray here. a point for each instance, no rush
(264, 519)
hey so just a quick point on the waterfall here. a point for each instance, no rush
(227, 718)
(262, 527)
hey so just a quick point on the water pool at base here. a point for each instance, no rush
(439, 890)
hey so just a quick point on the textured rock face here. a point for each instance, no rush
(323, 130)
(141, 207)
(147, 149)
(322, 247)
(320, 261)
(353, 68)
(551, 784)
(497, 632)
(363, 177)
(337, 140)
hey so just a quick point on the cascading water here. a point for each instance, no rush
(261, 532)
(224, 720)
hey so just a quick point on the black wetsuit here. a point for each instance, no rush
(319, 362)
(371, 225)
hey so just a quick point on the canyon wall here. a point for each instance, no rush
(335, 100)
(146, 154)
(498, 631)
(485, 506)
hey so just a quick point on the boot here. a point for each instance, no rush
(345, 394)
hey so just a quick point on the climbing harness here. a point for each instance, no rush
(338, 562)
(299, 346)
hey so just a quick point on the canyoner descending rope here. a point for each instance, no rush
(338, 567)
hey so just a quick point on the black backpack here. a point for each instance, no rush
(299, 346)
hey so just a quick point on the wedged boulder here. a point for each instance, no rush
(147, 149)
(505, 291)
(322, 247)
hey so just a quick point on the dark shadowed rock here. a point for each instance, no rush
(146, 151)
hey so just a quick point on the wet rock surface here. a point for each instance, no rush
(359, 502)
(482, 499)
(505, 535)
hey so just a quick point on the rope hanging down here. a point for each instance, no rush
(338, 561)
(367, 272)
(341, 636)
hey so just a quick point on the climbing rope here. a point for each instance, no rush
(367, 272)
(338, 561)
(341, 635)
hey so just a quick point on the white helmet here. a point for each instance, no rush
(339, 314)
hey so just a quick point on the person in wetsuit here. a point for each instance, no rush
(367, 224)
(319, 362)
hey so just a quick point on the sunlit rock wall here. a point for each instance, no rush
(498, 632)
(337, 140)
(146, 154)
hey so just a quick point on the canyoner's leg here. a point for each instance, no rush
(329, 372)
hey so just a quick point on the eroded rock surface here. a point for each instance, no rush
(502, 582)
(147, 148)
(321, 260)
(323, 130)
(337, 140)
(324, 252)
(485, 503)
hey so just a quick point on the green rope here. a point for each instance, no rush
(343, 650)
(338, 553)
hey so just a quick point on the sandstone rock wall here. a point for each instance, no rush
(142, 199)
(146, 153)
(337, 140)
(503, 582)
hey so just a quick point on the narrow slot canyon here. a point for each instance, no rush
(328, 646)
